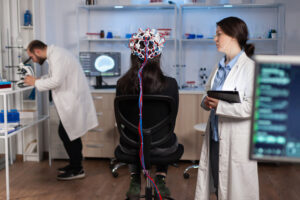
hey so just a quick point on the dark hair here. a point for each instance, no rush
(153, 77)
(237, 28)
(36, 44)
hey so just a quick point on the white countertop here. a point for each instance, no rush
(181, 91)
(103, 90)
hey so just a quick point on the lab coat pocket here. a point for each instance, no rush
(240, 147)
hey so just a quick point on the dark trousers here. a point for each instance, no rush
(214, 162)
(73, 148)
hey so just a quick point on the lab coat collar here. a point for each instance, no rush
(240, 61)
(232, 62)
(49, 51)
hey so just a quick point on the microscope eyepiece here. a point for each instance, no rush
(26, 61)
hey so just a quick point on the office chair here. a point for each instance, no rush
(201, 129)
(159, 115)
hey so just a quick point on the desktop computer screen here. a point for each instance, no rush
(275, 134)
(106, 64)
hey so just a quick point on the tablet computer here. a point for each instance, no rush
(225, 95)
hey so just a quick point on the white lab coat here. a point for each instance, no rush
(70, 92)
(238, 176)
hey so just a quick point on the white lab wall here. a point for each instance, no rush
(60, 23)
(292, 42)
(58, 26)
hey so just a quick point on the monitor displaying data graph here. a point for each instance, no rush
(275, 130)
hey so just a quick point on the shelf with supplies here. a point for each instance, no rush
(24, 117)
(17, 126)
(114, 39)
(27, 27)
(227, 5)
(196, 44)
(94, 27)
(204, 40)
(277, 11)
(24, 124)
(128, 7)
(105, 40)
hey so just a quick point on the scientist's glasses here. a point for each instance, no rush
(218, 35)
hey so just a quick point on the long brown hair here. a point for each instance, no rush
(237, 28)
(153, 77)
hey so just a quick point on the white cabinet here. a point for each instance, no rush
(122, 20)
(101, 141)
(200, 19)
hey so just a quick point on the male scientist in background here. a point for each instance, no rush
(72, 98)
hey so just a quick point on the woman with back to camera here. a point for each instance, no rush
(226, 143)
(155, 83)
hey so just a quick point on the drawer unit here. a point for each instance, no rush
(100, 142)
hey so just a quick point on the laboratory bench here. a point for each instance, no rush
(101, 141)
(181, 91)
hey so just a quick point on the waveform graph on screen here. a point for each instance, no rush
(276, 111)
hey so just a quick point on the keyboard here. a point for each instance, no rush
(105, 87)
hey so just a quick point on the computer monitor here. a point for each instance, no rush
(106, 64)
(275, 130)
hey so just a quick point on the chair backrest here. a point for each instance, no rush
(159, 116)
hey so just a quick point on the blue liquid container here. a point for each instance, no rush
(27, 18)
(13, 116)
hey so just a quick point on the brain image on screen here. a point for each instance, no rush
(104, 63)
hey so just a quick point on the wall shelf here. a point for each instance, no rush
(114, 40)
(222, 6)
(128, 7)
(202, 53)
(27, 27)
(24, 124)
(212, 40)
(95, 18)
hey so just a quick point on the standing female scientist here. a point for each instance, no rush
(225, 147)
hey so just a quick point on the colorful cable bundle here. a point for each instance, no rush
(146, 45)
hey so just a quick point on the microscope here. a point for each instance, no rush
(24, 70)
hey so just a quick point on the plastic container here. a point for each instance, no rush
(165, 32)
(27, 18)
(109, 35)
(13, 116)
(92, 36)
